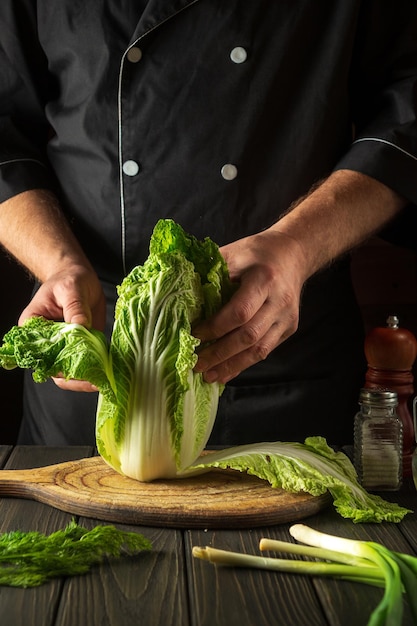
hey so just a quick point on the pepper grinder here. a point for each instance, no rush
(390, 352)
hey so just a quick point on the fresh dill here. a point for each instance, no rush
(29, 559)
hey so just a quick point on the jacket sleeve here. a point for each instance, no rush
(384, 96)
(24, 85)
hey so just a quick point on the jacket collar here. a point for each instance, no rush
(156, 13)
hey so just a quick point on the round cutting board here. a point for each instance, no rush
(217, 499)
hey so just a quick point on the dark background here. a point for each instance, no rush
(15, 289)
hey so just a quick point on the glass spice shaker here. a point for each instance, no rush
(378, 445)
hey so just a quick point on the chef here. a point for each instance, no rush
(285, 131)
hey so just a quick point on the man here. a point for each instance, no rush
(222, 116)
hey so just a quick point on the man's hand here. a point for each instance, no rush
(272, 267)
(263, 312)
(75, 296)
(35, 231)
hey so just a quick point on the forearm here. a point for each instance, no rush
(342, 212)
(35, 232)
(273, 265)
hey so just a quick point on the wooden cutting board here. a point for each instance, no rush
(218, 499)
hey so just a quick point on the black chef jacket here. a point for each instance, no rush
(218, 115)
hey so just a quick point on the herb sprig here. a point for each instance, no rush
(29, 559)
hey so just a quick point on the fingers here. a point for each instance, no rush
(227, 357)
(41, 307)
(73, 312)
(223, 361)
(74, 385)
(77, 312)
(76, 297)
(241, 308)
(262, 313)
(252, 340)
(71, 294)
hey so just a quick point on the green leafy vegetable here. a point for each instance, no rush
(348, 559)
(28, 559)
(50, 348)
(155, 414)
(313, 467)
(164, 411)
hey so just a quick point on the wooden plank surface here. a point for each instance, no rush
(32, 607)
(260, 597)
(145, 590)
(169, 587)
(4, 454)
(283, 599)
(408, 498)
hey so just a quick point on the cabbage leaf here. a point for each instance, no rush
(53, 348)
(313, 467)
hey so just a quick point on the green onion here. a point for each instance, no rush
(347, 559)
(389, 610)
(225, 557)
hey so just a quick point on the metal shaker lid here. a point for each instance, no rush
(379, 396)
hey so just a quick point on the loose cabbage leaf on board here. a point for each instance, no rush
(312, 467)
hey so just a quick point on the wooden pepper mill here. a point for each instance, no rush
(390, 352)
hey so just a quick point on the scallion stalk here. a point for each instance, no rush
(237, 559)
(347, 559)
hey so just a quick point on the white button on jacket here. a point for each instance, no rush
(130, 168)
(229, 171)
(238, 55)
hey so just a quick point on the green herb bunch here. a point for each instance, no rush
(28, 559)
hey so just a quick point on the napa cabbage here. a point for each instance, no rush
(163, 411)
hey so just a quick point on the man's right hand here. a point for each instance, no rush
(34, 230)
(74, 296)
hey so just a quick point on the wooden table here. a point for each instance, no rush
(168, 587)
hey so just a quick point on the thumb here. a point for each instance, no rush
(77, 312)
